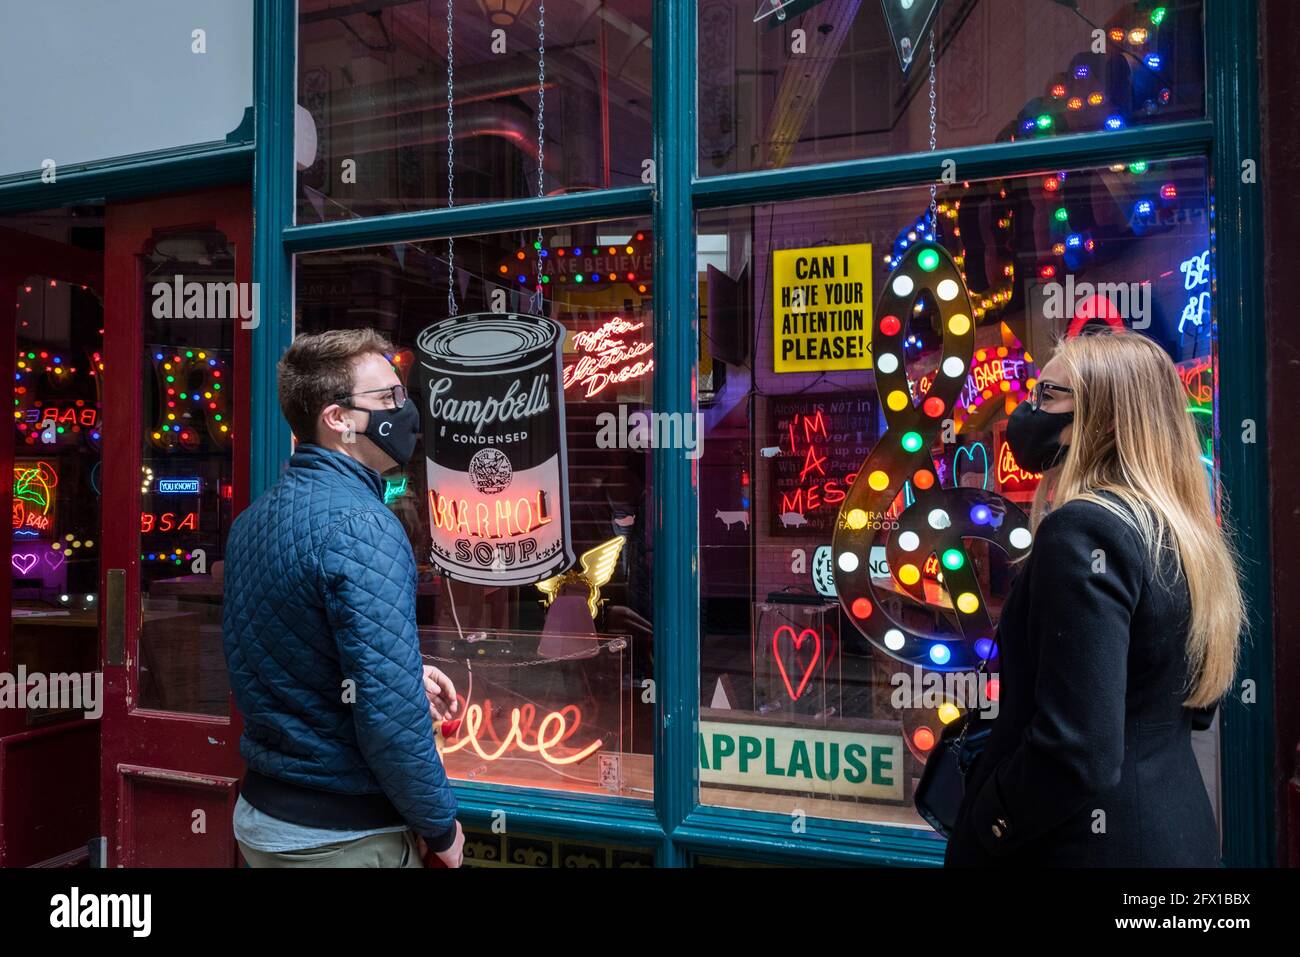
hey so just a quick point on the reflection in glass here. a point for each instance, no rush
(846, 79)
(374, 118)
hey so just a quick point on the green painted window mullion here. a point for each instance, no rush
(1246, 730)
(1187, 138)
(675, 502)
(467, 220)
(275, 42)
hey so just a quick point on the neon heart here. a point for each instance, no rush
(798, 641)
(24, 562)
(55, 559)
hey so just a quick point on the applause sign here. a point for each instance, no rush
(821, 308)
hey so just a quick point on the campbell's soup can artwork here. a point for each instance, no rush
(494, 439)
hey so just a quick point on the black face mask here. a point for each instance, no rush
(395, 431)
(1034, 437)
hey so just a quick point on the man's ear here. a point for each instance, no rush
(335, 421)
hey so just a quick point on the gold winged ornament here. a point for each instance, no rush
(597, 569)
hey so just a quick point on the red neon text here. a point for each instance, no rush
(169, 521)
(608, 360)
(553, 730)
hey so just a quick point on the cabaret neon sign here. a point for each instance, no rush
(555, 728)
(984, 380)
(606, 358)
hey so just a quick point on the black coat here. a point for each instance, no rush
(1090, 761)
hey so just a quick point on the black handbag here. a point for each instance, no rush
(942, 787)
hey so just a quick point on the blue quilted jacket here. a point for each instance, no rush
(319, 594)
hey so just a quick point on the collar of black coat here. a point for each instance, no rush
(308, 455)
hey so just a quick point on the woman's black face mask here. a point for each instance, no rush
(1035, 436)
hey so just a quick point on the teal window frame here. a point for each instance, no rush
(675, 824)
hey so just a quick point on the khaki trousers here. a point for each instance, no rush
(395, 849)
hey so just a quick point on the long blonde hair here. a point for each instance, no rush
(1133, 437)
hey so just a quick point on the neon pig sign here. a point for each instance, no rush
(606, 359)
(494, 444)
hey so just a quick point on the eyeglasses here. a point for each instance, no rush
(397, 392)
(1051, 388)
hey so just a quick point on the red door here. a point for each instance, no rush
(177, 301)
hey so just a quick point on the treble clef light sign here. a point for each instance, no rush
(939, 521)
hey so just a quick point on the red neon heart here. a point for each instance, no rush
(798, 643)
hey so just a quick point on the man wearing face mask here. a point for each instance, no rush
(320, 635)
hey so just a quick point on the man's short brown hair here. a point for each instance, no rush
(318, 368)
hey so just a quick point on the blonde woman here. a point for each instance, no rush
(1119, 635)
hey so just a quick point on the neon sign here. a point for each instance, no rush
(34, 498)
(1197, 376)
(797, 641)
(169, 522)
(819, 443)
(1196, 276)
(999, 376)
(178, 486)
(606, 358)
(1011, 476)
(554, 729)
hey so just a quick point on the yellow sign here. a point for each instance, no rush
(821, 308)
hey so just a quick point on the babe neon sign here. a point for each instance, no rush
(606, 358)
(554, 729)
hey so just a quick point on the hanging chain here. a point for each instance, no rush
(541, 135)
(451, 159)
(934, 202)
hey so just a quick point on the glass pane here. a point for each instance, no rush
(101, 81)
(801, 699)
(531, 532)
(374, 112)
(54, 555)
(186, 468)
(791, 82)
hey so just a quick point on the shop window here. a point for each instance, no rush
(831, 704)
(58, 364)
(789, 82)
(534, 541)
(190, 419)
(101, 81)
(374, 116)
